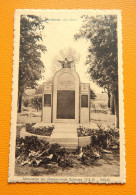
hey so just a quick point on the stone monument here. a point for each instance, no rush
(66, 100)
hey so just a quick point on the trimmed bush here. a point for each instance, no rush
(45, 131)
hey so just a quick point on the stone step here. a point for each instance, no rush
(70, 149)
(61, 130)
(68, 145)
(64, 128)
(64, 140)
(63, 135)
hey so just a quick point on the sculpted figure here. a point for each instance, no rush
(66, 63)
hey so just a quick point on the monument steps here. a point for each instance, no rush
(67, 145)
(65, 135)
(63, 140)
(67, 130)
(64, 144)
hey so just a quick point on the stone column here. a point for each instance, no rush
(84, 103)
(47, 103)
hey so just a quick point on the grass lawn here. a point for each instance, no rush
(102, 119)
(28, 115)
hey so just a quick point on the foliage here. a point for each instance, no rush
(92, 94)
(39, 89)
(102, 59)
(30, 64)
(45, 131)
(35, 152)
(93, 106)
(99, 107)
(26, 103)
(103, 105)
(103, 138)
(101, 31)
(36, 102)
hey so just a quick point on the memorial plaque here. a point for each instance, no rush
(65, 104)
(47, 100)
(66, 81)
(84, 101)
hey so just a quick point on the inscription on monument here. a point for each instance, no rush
(66, 81)
(47, 100)
(65, 104)
(84, 101)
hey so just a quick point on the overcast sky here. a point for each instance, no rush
(59, 34)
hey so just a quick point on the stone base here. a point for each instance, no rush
(24, 133)
(63, 134)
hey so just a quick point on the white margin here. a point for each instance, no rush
(31, 179)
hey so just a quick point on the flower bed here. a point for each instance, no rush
(44, 131)
(31, 151)
(103, 138)
(35, 152)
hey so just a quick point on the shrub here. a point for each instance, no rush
(33, 152)
(26, 103)
(36, 102)
(104, 138)
(103, 105)
(45, 131)
(93, 106)
(92, 94)
(24, 146)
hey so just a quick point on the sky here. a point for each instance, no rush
(58, 35)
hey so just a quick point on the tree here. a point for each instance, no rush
(68, 53)
(30, 65)
(112, 104)
(92, 94)
(102, 57)
(109, 97)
